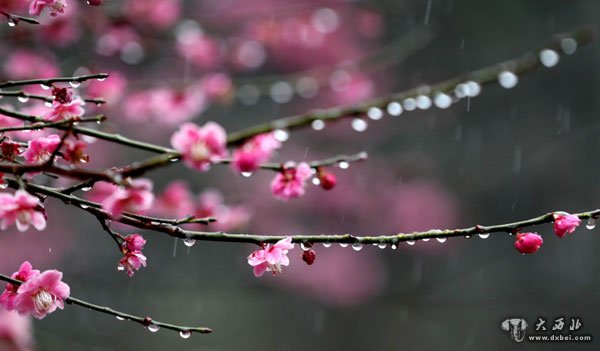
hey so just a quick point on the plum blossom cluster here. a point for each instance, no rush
(564, 223)
(137, 197)
(21, 209)
(271, 258)
(133, 259)
(39, 293)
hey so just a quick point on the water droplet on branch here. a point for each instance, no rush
(507, 79)
(185, 334)
(591, 223)
(153, 328)
(189, 242)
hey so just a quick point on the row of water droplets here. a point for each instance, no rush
(153, 328)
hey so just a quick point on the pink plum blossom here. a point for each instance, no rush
(175, 200)
(271, 257)
(255, 151)
(136, 198)
(565, 223)
(528, 243)
(25, 272)
(15, 332)
(290, 182)
(74, 151)
(23, 64)
(201, 50)
(55, 6)
(23, 209)
(134, 242)
(200, 146)
(211, 204)
(110, 89)
(40, 149)
(217, 86)
(42, 294)
(65, 111)
(159, 13)
(131, 262)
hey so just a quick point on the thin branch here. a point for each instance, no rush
(15, 19)
(50, 81)
(42, 125)
(145, 321)
(20, 93)
(526, 63)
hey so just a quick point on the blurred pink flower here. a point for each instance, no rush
(131, 262)
(101, 191)
(23, 64)
(528, 243)
(211, 204)
(172, 107)
(40, 149)
(54, 6)
(201, 50)
(74, 151)
(217, 86)
(175, 201)
(111, 89)
(565, 223)
(137, 198)
(200, 146)
(23, 209)
(255, 151)
(25, 272)
(159, 13)
(42, 294)
(271, 257)
(15, 332)
(290, 182)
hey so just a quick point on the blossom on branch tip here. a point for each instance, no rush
(55, 6)
(131, 262)
(133, 242)
(527, 243)
(25, 272)
(200, 146)
(74, 151)
(271, 257)
(136, 198)
(10, 150)
(40, 149)
(65, 111)
(565, 223)
(42, 294)
(255, 151)
(23, 209)
(290, 182)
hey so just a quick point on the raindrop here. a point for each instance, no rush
(84, 206)
(467, 237)
(326, 244)
(48, 103)
(87, 188)
(189, 242)
(484, 235)
(11, 22)
(394, 108)
(442, 100)
(23, 98)
(441, 240)
(3, 185)
(474, 88)
(344, 244)
(185, 334)
(381, 246)
(591, 223)
(317, 124)
(45, 86)
(394, 246)
(281, 92)
(568, 45)
(410, 104)
(120, 267)
(462, 90)
(357, 246)
(74, 84)
(507, 79)
(426, 239)
(246, 174)
(423, 102)
(153, 328)
(411, 242)
(375, 113)
(343, 164)
(304, 246)
(281, 135)
(549, 58)
(101, 79)
(359, 125)
(316, 181)
(120, 318)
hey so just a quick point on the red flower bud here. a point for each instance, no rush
(328, 180)
(309, 256)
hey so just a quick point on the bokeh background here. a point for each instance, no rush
(502, 156)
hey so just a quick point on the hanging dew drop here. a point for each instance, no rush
(304, 246)
(48, 103)
(326, 244)
(359, 125)
(84, 206)
(3, 185)
(316, 181)
(568, 45)
(101, 79)
(153, 328)
(87, 188)
(549, 58)
(185, 334)
(344, 244)
(591, 223)
(23, 99)
(394, 108)
(317, 124)
(189, 242)
(375, 113)
(11, 22)
(246, 174)
(423, 102)
(120, 318)
(381, 246)
(441, 240)
(467, 237)
(281, 135)
(442, 100)
(426, 239)
(343, 165)
(484, 235)
(410, 104)
(411, 242)
(357, 246)
(75, 84)
(45, 86)
(120, 267)
(507, 79)
(394, 246)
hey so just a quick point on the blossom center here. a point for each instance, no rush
(200, 151)
(42, 301)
